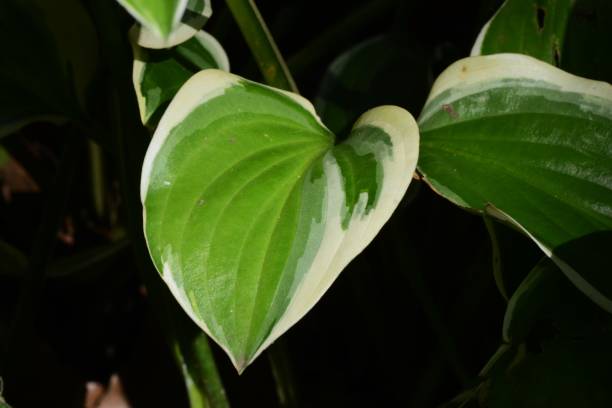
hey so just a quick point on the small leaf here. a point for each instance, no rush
(182, 19)
(532, 27)
(158, 74)
(250, 210)
(531, 145)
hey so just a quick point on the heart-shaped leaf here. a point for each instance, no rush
(536, 28)
(531, 145)
(158, 74)
(250, 210)
(166, 23)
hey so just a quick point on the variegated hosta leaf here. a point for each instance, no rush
(158, 74)
(166, 23)
(251, 211)
(536, 28)
(531, 145)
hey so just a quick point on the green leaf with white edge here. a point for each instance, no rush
(532, 27)
(532, 146)
(49, 61)
(159, 17)
(158, 74)
(190, 18)
(250, 210)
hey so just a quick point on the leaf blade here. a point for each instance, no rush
(499, 134)
(250, 240)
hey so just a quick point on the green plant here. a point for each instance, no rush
(252, 206)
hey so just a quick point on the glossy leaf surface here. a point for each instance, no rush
(250, 210)
(158, 74)
(531, 145)
(532, 27)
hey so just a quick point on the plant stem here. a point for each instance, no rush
(283, 374)
(97, 178)
(262, 45)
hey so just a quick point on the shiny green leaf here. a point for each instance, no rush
(251, 211)
(532, 27)
(531, 145)
(158, 74)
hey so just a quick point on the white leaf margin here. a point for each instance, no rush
(207, 41)
(338, 247)
(185, 28)
(462, 76)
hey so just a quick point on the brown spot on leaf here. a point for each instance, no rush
(448, 108)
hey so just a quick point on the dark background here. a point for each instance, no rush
(410, 322)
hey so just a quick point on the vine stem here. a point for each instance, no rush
(262, 45)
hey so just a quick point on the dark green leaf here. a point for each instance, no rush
(531, 145)
(532, 27)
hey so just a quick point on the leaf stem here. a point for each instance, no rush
(283, 374)
(262, 45)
